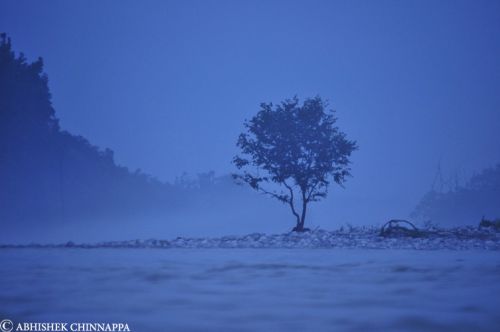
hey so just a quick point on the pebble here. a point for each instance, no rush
(459, 238)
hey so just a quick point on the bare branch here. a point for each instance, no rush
(282, 198)
(292, 206)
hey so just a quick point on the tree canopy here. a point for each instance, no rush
(478, 197)
(47, 174)
(297, 147)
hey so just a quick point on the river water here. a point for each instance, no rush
(254, 289)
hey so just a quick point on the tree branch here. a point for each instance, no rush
(290, 189)
(282, 198)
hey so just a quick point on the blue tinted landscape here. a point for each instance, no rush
(249, 166)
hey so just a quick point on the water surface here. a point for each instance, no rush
(254, 289)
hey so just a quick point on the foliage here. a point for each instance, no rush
(463, 204)
(49, 174)
(297, 147)
(495, 224)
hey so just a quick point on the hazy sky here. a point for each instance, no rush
(168, 84)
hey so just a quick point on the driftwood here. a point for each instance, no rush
(398, 227)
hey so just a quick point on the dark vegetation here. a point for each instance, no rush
(292, 152)
(47, 173)
(463, 204)
(52, 180)
(493, 224)
(405, 228)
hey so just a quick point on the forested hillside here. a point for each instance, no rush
(463, 204)
(53, 182)
(49, 174)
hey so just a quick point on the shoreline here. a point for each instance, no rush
(458, 238)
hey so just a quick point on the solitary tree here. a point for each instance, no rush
(292, 152)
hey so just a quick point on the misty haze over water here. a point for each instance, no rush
(166, 89)
(228, 165)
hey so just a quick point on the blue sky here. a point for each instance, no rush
(168, 84)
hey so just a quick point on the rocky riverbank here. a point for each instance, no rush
(459, 238)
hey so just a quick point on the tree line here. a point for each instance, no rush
(47, 173)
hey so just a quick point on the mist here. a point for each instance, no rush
(196, 165)
(149, 100)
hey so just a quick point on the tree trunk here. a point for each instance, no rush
(301, 221)
(304, 209)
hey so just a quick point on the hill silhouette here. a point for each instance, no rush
(55, 185)
(50, 174)
(463, 204)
